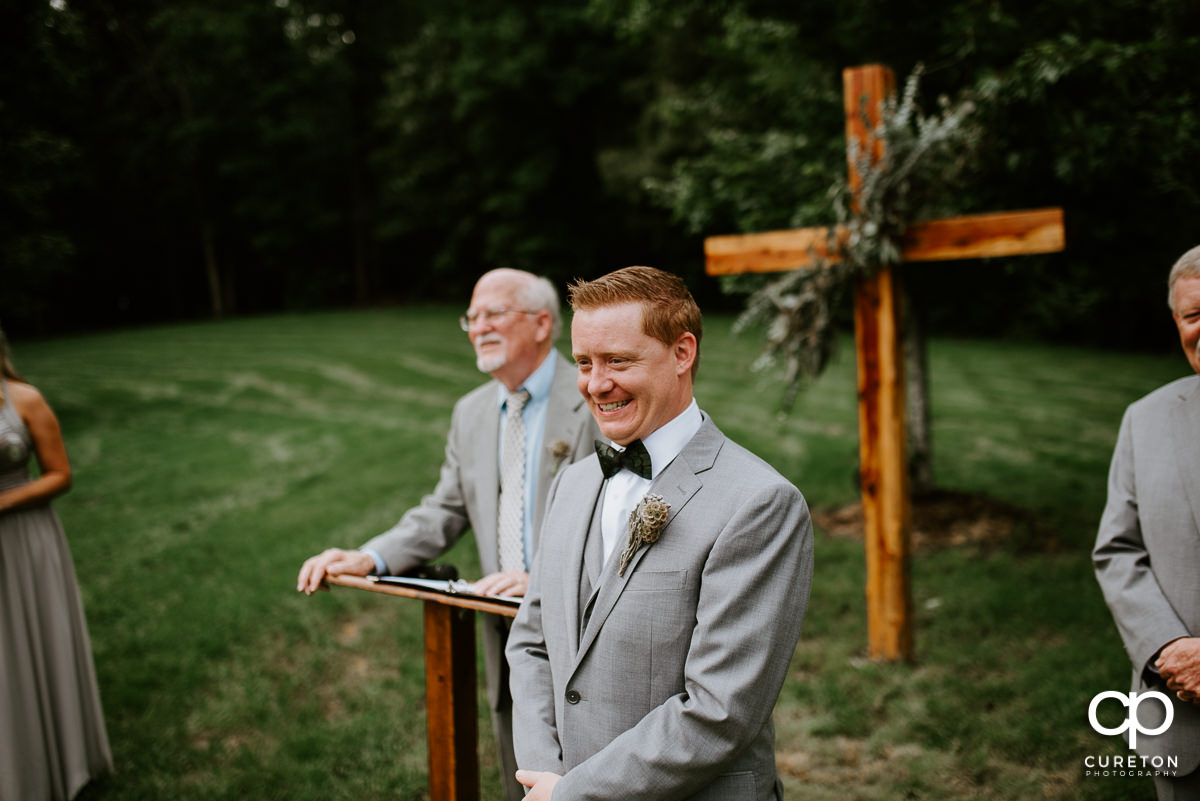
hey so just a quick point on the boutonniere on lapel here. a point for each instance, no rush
(560, 449)
(646, 523)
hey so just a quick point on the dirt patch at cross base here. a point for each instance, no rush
(947, 518)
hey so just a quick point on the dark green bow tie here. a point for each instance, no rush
(634, 459)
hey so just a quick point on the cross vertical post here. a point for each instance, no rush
(883, 464)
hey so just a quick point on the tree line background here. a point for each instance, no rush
(170, 160)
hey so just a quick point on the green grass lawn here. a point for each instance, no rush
(212, 459)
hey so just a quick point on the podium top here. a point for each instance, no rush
(478, 603)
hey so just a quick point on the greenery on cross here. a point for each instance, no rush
(923, 161)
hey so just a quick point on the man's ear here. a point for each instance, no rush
(545, 324)
(685, 351)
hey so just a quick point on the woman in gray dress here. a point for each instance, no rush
(52, 736)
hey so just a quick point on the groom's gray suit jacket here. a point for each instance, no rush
(1147, 554)
(667, 690)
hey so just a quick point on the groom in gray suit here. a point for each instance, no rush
(1147, 554)
(671, 581)
(512, 323)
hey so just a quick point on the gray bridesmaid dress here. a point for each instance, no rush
(52, 736)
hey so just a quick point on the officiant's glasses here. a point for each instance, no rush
(488, 316)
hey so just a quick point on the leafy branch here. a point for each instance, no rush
(924, 160)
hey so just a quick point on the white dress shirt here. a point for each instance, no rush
(623, 491)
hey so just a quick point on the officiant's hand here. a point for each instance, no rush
(540, 784)
(332, 562)
(511, 582)
(1179, 665)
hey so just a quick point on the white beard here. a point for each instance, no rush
(491, 362)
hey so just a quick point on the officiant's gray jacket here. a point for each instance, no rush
(666, 689)
(1147, 554)
(468, 491)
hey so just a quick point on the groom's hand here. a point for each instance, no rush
(540, 784)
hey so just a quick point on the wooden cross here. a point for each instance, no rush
(878, 329)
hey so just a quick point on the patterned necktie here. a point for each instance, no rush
(511, 532)
(634, 459)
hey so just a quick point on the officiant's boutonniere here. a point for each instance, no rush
(560, 449)
(646, 523)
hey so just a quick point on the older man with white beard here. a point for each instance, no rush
(507, 441)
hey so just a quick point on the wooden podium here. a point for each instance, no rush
(451, 708)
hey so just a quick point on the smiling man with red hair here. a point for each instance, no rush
(641, 665)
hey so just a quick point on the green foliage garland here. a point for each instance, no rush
(925, 158)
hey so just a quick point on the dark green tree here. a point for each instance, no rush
(1091, 109)
(166, 160)
(40, 163)
(491, 124)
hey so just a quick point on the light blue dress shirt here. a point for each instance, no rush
(533, 415)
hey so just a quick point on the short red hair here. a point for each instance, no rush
(668, 308)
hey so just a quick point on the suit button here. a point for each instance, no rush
(573, 696)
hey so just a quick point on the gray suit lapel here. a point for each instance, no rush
(575, 525)
(1184, 429)
(677, 484)
(565, 413)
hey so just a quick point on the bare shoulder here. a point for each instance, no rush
(27, 400)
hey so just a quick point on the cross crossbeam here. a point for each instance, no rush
(973, 236)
